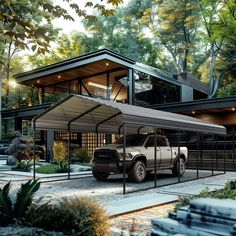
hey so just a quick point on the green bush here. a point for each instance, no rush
(47, 169)
(80, 155)
(26, 231)
(228, 192)
(23, 165)
(54, 167)
(13, 212)
(76, 217)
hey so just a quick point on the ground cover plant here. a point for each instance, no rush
(60, 166)
(228, 192)
(74, 217)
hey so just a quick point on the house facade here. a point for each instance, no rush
(110, 76)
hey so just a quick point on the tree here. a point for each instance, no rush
(123, 33)
(219, 20)
(67, 46)
(175, 23)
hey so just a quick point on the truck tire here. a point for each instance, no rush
(137, 172)
(179, 171)
(100, 176)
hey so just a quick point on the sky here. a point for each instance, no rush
(69, 26)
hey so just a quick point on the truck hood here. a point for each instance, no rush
(119, 148)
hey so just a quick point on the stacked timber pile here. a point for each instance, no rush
(203, 217)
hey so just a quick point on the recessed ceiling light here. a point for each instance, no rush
(193, 112)
(107, 64)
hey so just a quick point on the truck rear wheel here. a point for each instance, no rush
(137, 173)
(100, 176)
(179, 168)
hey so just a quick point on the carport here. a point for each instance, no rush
(77, 113)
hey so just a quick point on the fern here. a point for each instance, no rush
(5, 205)
(24, 198)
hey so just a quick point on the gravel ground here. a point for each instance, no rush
(140, 221)
(110, 190)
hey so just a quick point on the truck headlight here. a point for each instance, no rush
(127, 156)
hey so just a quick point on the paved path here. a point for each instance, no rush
(167, 194)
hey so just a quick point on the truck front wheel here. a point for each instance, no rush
(179, 168)
(100, 176)
(137, 172)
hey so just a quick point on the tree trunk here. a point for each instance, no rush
(213, 80)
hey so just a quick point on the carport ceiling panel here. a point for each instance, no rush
(95, 117)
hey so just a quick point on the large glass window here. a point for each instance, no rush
(150, 90)
(8, 128)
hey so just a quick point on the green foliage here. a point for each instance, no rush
(24, 198)
(59, 166)
(227, 90)
(23, 165)
(26, 231)
(60, 150)
(47, 169)
(5, 206)
(21, 147)
(11, 213)
(80, 155)
(62, 167)
(78, 216)
(229, 191)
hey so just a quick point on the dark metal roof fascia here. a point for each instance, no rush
(70, 63)
(154, 72)
(213, 103)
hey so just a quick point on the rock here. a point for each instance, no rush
(11, 160)
(203, 217)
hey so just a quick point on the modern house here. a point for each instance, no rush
(110, 76)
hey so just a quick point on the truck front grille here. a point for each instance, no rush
(106, 156)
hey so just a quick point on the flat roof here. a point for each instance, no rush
(85, 114)
(88, 65)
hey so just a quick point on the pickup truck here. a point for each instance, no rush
(140, 159)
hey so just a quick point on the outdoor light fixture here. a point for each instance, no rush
(193, 112)
(233, 108)
(58, 76)
(107, 64)
(97, 85)
(38, 81)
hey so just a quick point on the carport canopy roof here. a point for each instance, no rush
(86, 114)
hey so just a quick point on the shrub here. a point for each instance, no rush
(23, 165)
(229, 191)
(54, 167)
(21, 147)
(11, 213)
(60, 150)
(80, 155)
(26, 231)
(76, 217)
(47, 169)
(63, 167)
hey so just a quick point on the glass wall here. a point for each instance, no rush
(8, 128)
(150, 90)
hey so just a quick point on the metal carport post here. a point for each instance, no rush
(69, 132)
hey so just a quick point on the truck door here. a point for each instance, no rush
(149, 152)
(165, 151)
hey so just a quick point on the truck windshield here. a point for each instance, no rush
(132, 140)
